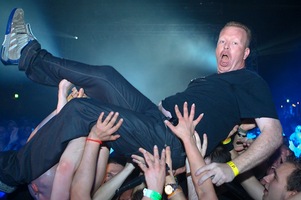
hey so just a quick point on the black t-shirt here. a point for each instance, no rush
(225, 99)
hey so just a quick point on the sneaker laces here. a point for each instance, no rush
(23, 33)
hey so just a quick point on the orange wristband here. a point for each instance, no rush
(93, 140)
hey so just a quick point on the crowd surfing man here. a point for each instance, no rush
(226, 98)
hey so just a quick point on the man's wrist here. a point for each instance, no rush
(97, 141)
(170, 179)
(188, 141)
(152, 194)
(234, 168)
(175, 193)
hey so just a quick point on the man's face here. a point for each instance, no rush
(112, 170)
(127, 195)
(231, 50)
(276, 183)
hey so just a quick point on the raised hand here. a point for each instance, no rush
(154, 168)
(218, 172)
(186, 123)
(202, 147)
(104, 129)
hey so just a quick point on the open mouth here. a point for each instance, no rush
(224, 60)
(225, 57)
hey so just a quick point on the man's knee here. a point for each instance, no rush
(75, 106)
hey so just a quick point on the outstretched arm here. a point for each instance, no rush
(263, 147)
(185, 131)
(108, 189)
(154, 169)
(177, 194)
(247, 180)
(202, 148)
(267, 142)
(84, 177)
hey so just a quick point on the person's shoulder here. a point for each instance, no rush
(243, 71)
(244, 74)
(247, 71)
(250, 75)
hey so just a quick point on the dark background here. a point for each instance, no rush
(158, 45)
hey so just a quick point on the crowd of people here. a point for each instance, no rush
(193, 145)
(282, 167)
(14, 133)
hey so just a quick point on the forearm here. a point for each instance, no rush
(101, 167)
(259, 151)
(253, 187)
(206, 190)
(191, 190)
(107, 190)
(249, 182)
(190, 186)
(84, 176)
(178, 193)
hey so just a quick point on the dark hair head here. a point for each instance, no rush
(137, 195)
(220, 154)
(294, 179)
(118, 159)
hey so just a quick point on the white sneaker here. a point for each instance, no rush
(17, 36)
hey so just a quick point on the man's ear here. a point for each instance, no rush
(247, 53)
(293, 193)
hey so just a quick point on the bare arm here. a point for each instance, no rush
(267, 142)
(252, 186)
(247, 180)
(185, 131)
(261, 149)
(170, 179)
(107, 190)
(101, 167)
(84, 177)
(202, 148)
(154, 169)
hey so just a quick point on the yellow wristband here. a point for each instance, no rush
(233, 167)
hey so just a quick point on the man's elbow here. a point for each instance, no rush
(278, 138)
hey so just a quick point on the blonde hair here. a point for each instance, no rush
(242, 26)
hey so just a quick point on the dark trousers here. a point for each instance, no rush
(108, 91)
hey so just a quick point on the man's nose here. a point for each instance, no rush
(226, 45)
(267, 179)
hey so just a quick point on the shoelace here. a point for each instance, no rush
(19, 28)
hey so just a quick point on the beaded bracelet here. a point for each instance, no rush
(93, 140)
(233, 167)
